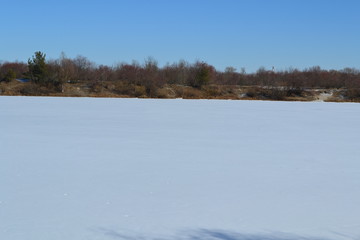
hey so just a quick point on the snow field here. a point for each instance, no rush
(91, 169)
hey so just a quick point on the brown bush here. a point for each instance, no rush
(166, 92)
(96, 87)
(294, 92)
(186, 92)
(267, 93)
(140, 91)
(2, 90)
(191, 93)
(33, 89)
(352, 94)
(124, 88)
(212, 91)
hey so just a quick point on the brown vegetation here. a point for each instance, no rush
(81, 77)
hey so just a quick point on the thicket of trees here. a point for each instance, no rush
(11, 70)
(148, 78)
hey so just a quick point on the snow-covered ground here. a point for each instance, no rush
(100, 169)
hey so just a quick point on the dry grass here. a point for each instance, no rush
(125, 90)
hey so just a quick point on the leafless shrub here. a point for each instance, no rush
(140, 91)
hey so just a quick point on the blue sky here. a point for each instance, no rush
(238, 33)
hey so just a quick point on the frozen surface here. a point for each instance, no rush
(100, 169)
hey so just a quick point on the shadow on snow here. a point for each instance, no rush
(205, 234)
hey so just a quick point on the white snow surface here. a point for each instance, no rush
(100, 169)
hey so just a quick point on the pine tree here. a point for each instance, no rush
(9, 76)
(38, 68)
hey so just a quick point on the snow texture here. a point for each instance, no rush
(100, 169)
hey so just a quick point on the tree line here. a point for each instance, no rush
(52, 74)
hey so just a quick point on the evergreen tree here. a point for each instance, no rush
(38, 68)
(203, 74)
(10, 75)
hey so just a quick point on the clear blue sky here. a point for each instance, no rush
(238, 33)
